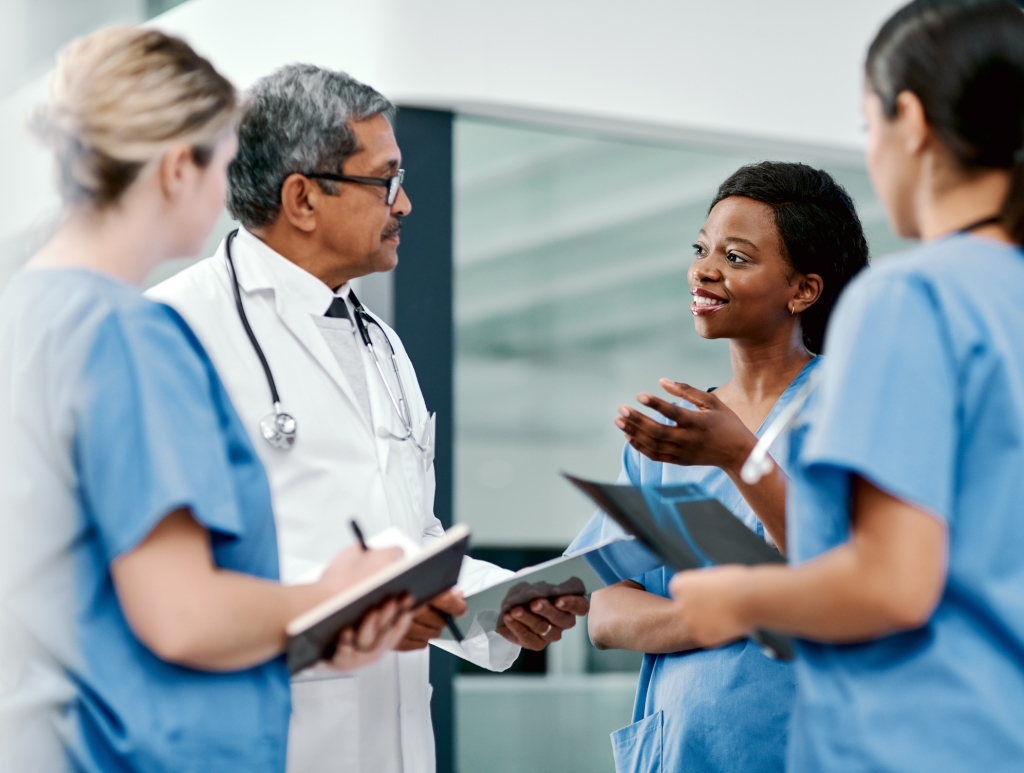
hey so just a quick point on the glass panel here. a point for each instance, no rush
(571, 296)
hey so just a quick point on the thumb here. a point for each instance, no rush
(697, 397)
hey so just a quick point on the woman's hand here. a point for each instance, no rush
(711, 435)
(535, 625)
(709, 604)
(354, 564)
(380, 630)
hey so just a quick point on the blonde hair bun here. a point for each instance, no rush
(118, 99)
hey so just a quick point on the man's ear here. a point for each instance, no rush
(174, 167)
(300, 198)
(807, 292)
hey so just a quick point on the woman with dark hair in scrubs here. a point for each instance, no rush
(907, 494)
(779, 244)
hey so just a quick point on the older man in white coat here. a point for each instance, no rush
(317, 187)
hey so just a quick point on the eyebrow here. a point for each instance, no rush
(391, 165)
(732, 239)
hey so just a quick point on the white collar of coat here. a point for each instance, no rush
(260, 267)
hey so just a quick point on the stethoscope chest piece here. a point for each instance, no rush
(279, 429)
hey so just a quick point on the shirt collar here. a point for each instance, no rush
(260, 267)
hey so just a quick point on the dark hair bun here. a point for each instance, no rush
(964, 60)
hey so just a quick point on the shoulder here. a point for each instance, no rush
(193, 287)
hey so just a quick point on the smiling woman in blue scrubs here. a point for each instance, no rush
(779, 244)
(141, 621)
(907, 506)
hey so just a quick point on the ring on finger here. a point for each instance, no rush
(547, 630)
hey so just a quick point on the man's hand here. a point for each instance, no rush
(535, 628)
(427, 624)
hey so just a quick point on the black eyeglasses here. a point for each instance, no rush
(391, 183)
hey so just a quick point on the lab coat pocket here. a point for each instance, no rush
(637, 748)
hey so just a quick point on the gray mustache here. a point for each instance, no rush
(393, 228)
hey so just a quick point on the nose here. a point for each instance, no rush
(402, 205)
(703, 271)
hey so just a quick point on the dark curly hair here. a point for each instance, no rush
(818, 228)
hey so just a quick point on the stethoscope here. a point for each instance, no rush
(279, 428)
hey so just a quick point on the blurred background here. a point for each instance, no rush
(560, 158)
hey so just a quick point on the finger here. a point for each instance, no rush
(697, 397)
(428, 617)
(659, 452)
(366, 635)
(452, 602)
(634, 422)
(524, 636)
(683, 417)
(539, 625)
(574, 605)
(557, 618)
(423, 633)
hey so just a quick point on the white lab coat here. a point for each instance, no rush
(338, 468)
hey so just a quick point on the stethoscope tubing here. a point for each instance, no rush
(400, 403)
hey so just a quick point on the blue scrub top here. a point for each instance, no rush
(724, 709)
(923, 395)
(151, 430)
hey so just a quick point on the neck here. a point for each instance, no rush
(123, 241)
(762, 370)
(305, 251)
(948, 201)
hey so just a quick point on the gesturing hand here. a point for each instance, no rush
(534, 628)
(427, 623)
(710, 435)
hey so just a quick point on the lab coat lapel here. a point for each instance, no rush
(381, 410)
(254, 275)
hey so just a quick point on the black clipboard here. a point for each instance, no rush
(691, 531)
(313, 635)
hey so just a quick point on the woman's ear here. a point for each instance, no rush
(808, 290)
(299, 198)
(175, 166)
(911, 122)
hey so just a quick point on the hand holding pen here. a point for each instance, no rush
(428, 620)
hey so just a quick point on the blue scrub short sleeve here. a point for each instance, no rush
(887, 406)
(149, 433)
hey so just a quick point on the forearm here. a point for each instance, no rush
(767, 498)
(233, 621)
(841, 597)
(626, 617)
(190, 612)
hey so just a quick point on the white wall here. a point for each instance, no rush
(787, 70)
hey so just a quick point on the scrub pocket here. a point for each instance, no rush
(637, 748)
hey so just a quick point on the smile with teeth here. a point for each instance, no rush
(705, 303)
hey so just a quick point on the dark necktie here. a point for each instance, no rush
(338, 309)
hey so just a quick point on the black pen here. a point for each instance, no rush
(448, 619)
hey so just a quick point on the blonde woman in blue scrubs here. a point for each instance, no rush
(141, 621)
(907, 494)
(779, 244)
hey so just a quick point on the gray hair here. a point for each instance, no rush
(295, 120)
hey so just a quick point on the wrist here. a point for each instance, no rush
(744, 599)
(742, 450)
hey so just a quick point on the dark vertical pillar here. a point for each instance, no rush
(424, 320)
